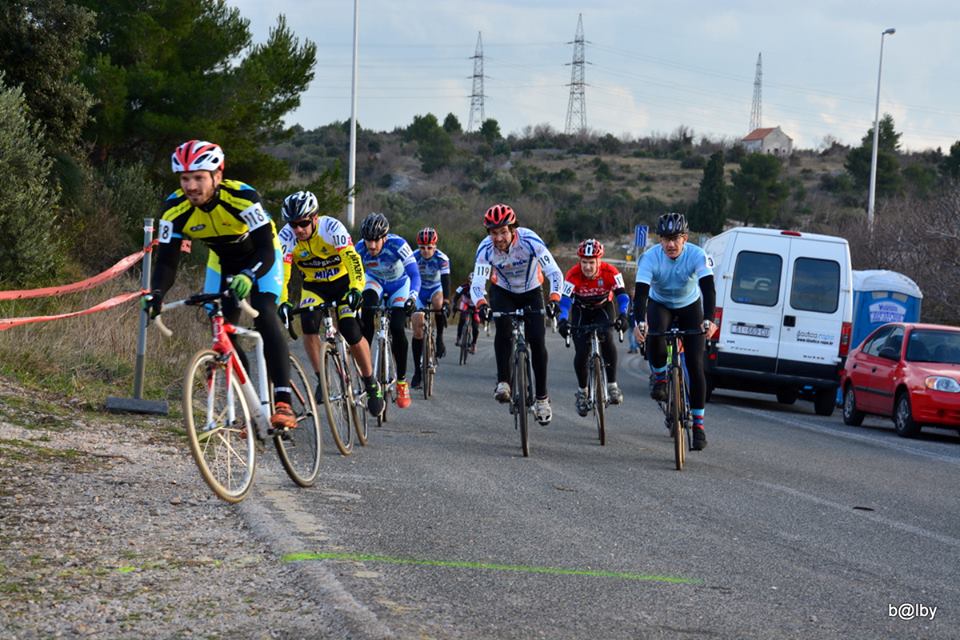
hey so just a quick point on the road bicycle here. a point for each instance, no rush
(429, 362)
(343, 394)
(384, 364)
(597, 397)
(226, 414)
(467, 333)
(521, 374)
(676, 408)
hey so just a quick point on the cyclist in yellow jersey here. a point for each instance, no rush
(322, 250)
(228, 217)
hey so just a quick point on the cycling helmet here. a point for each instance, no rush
(590, 249)
(671, 224)
(197, 155)
(374, 227)
(299, 205)
(499, 215)
(427, 235)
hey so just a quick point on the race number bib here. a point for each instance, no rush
(165, 231)
(618, 281)
(568, 288)
(481, 271)
(254, 216)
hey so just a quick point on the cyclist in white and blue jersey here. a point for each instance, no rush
(434, 266)
(678, 278)
(516, 260)
(392, 275)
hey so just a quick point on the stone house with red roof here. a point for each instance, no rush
(773, 141)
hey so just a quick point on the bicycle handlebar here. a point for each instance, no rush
(593, 326)
(197, 300)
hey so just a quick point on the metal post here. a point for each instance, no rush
(137, 404)
(871, 196)
(352, 172)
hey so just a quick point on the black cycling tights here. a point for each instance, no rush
(276, 353)
(581, 342)
(533, 329)
(659, 318)
(398, 333)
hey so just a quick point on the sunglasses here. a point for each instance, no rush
(426, 246)
(302, 224)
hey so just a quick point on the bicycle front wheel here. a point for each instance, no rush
(599, 389)
(520, 401)
(676, 417)
(465, 338)
(429, 362)
(300, 448)
(336, 397)
(358, 404)
(219, 427)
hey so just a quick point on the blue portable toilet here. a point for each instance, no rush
(881, 296)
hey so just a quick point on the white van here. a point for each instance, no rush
(784, 308)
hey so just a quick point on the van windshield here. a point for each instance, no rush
(756, 278)
(816, 285)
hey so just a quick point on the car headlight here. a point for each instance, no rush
(942, 383)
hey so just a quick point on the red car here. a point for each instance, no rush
(909, 371)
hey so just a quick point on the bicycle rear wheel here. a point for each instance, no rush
(520, 401)
(599, 389)
(219, 427)
(676, 417)
(300, 448)
(336, 397)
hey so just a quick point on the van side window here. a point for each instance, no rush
(756, 278)
(816, 285)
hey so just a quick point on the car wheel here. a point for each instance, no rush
(903, 421)
(786, 396)
(824, 401)
(851, 415)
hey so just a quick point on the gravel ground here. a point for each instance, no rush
(105, 532)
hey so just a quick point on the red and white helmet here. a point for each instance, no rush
(590, 249)
(499, 215)
(197, 155)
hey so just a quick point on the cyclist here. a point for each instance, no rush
(592, 284)
(678, 278)
(468, 313)
(434, 267)
(392, 273)
(227, 216)
(518, 258)
(322, 250)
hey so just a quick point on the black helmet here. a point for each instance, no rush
(374, 226)
(299, 205)
(671, 224)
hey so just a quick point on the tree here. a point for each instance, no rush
(169, 70)
(451, 124)
(434, 146)
(41, 47)
(757, 190)
(490, 131)
(710, 211)
(31, 247)
(889, 181)
(950, 164)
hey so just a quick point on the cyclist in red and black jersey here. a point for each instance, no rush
(463, 303)
(590, 289)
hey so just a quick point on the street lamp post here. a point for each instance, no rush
(352, 169)
(871, 197)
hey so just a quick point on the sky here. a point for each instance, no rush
(651, 66)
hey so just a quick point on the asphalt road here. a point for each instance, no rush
(788, 525)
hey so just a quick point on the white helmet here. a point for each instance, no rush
(197, 155)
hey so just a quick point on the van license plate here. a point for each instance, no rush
(744, 330)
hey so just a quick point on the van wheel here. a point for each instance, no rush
(787, 396)
(851, 415)
(903, 422)
(824, 401)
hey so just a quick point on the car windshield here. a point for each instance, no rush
(934, 346)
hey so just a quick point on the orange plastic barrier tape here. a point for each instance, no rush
(7, 323)
(89, 283)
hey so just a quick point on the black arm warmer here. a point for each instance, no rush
(165, 266)
(263, 241)
(445, 285)
(709, 294)
(640, 294)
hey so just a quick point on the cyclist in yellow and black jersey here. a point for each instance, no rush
(228, 217)
(322, 250)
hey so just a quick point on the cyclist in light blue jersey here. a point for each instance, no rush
(678, 278)
(434, 266)
(392, 275)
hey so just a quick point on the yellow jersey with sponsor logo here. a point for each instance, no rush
(326, 255)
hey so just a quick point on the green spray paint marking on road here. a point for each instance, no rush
(557, 571)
